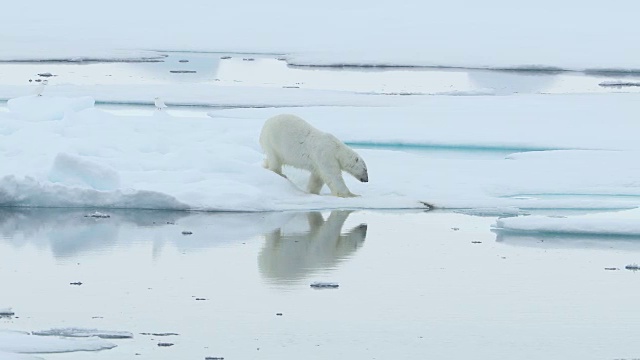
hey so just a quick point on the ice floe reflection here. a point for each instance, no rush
(71, 232)
(296, 244)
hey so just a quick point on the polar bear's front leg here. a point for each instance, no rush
(335, 182)
(315, 184)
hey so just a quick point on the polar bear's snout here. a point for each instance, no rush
(364, 178)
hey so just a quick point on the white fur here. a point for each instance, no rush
(289, 140)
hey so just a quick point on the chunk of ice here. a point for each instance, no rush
(81, 332)
(98, 215)
(6, 312)
(324, 285)
(20, 342)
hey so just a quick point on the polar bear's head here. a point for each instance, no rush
(354, 165)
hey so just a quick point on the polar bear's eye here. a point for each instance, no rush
(357, 159)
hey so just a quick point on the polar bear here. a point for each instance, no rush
(289, 140)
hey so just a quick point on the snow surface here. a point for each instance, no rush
(491, 33)
(42, 108)
(623, 223)
(91, 158)
(20, 342)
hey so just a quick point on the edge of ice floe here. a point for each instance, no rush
(619, 84)
(13, 356)
(6, 311)
(73, 55)
(310, 61)
(83, 333)
(25, 343)
(619, 224)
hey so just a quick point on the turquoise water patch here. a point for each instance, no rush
(448, 150)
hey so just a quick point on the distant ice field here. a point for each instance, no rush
(212, 79)
(574, 35)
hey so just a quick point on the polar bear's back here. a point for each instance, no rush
(289, 138)
(286, 123)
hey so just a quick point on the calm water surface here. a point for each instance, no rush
(413, 285)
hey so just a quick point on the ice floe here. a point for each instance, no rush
(623, 223)
(25, 343)
(82, 332)
(74, 54)
(444, 151)
(324, 285)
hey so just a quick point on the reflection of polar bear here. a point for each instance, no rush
(295, 254)
(289, 140)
